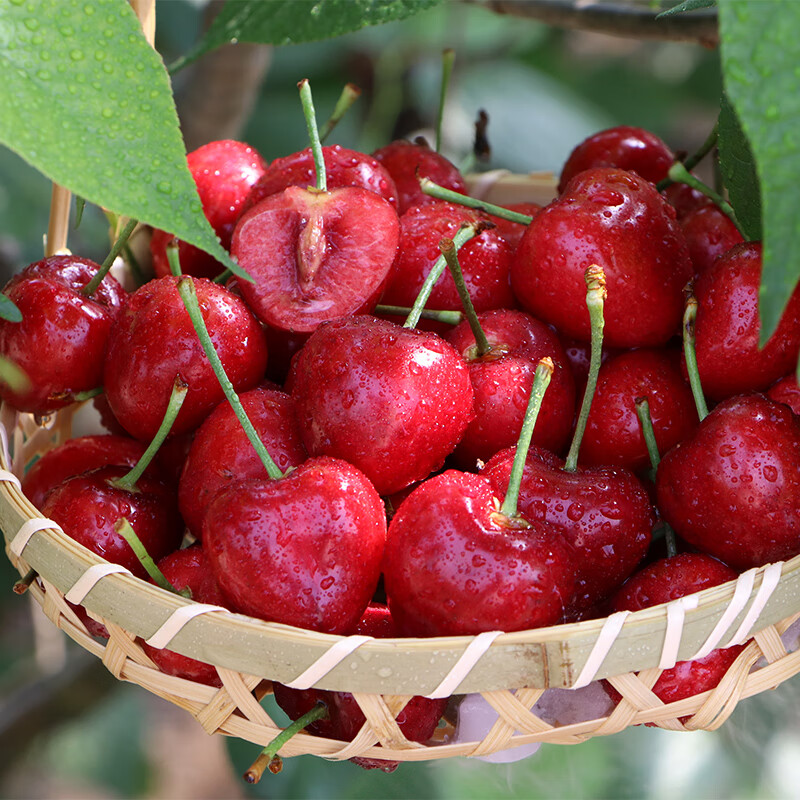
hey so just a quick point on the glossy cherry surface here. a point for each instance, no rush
(709, 234)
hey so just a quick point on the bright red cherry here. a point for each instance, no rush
(618, 221)
(709, 233)
(624, 147)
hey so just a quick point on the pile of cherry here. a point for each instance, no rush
(367, 419)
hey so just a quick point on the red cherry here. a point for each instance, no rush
(407, 162)
(502, 380)
(613, 433)
(153, 341)
(455, 565)
(618, 221)
(512, 231)
(393, 401)
(624, 147)
(61, 341)
(786, 391)
(604, 513)
(304, 550)
(685, 199)
(709, 233)
(485, 260)
(314, 255)
(221, 452)
(727, 330)
(733, 488)
(224, 172)
(343, 167)
(188, 569)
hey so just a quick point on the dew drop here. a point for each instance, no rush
(770, 473)
(165, 187)
(76, 54)
(32, 24)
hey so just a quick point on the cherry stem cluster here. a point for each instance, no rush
(448, 249)
(541, 380)
(690, 354)
(313, 133)
(349, 95)
(445, 316)
(179, 391)
(268, 759)
(448, 59)
(189, 296)
(441, 193)
(595, 301)
(693, 160)
(116, 249)
(464, 234)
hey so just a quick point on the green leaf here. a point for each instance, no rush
(88, 103)
(687, 5)
(295, 21)
(13, 375)
(739, 171)
(759, 60)
(9, 310)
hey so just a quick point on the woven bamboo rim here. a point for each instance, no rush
(512, 671)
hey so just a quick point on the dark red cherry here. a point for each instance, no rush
(786, 391)
(709, 234)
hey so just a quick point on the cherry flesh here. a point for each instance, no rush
(618, 221)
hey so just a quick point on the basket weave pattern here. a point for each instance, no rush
(763, 601)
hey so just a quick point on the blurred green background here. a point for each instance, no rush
(67, 729)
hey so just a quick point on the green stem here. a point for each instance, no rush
(646, 422)
(91, 287)
(441, 193)
(447, 317)
(189, 296)
(80, 205)
(464, 234)
(349, 95)
(173, 258)
(80, 397)
(541, 380)
(222, 278)
(679, 174)
(126, 531)
(451, 257)
(693, 160)
(595, 301)
(268, 759)
(448, 58)
(690, 354)
(176, 398)
(313, 133)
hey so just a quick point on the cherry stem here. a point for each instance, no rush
(126, 531)
(440, 193)
(222, 278)
(679, 174)
(177, 396)
(122, 239)
(173, 258)
(447, 317)
(541, 380)
(464, 234)
(80, 397)
(451, 257)
(268, 759)
(349, 95)
(80, 205)
(23, 584)
(189, 296)
(595, 301)
(694, 159)
(313, 133)
(690, 354)
(448, 58)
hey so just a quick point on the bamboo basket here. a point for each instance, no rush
(511, 671)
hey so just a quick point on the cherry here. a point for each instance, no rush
(618, 221)
(188, 569)
(407, 162)
(578, 355)
(732, 489)
(224, 172)
(485, 260)
(75, 457)
(501, 382)
(417, 720)
(303, 550)
(613, 435)
(153, 340)
(709, 234)
(221, 453)
(624, 147)
(393, 401)
(727, 329)
(662, 582)
(685, 199)
(512, 231)
(786, 391)
(343, 167)
(61, 341)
